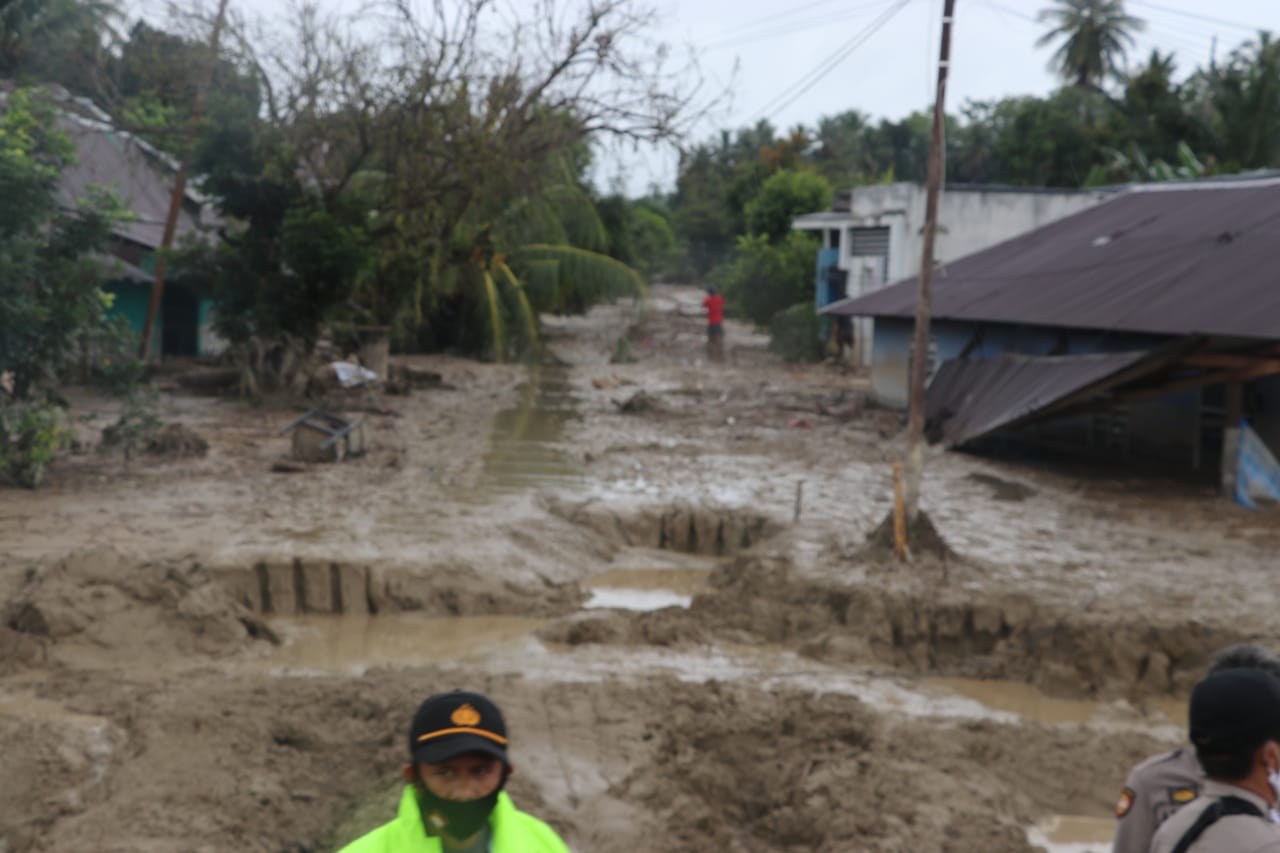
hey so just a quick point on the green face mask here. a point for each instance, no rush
(458, 819)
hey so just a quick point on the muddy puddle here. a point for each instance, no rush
(1073, 834)
(1026, 702)
(527, 449)
(329, 644)
(325, 644)
(642, 579)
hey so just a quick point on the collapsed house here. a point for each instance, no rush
(1145, 327)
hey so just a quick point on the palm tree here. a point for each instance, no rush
(1094, 36)
(1244, 93)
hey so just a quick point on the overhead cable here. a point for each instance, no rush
(788, 96)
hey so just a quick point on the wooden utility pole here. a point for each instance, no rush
(924, 299)
(180, 187)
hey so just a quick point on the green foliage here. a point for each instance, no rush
(50, 301)
(654, 238)
(566, 279)
(58, 41)
(763, 278)
(1052, 141)
(1242, 100)
(640, 233)
(793, 333)
(31, 434)
(1133, 166)
(784, 196)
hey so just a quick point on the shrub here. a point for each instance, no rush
(31, 434)
(763, 278)
(793, 334)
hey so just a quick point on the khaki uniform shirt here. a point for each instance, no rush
(1231, 834)
(1155, 789)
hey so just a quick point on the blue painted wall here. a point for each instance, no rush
(129, 300)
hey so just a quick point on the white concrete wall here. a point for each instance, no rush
(968, 219)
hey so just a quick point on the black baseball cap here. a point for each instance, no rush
(1235, 710)
(451, 724)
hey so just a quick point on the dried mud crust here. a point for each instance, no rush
(927, 617)
(98, 602)
(737, 771)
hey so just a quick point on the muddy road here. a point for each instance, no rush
(660, 570)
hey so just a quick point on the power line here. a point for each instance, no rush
(795, 26)
(751, 25)
(788, 96)
(1251, 28)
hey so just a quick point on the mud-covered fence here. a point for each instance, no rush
(711, 531)
(297, 587)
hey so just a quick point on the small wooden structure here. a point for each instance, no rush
(320, 436)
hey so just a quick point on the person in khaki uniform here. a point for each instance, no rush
(1164, 783)
(1235, 726)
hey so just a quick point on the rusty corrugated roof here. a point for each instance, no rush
(108, 158)
(1196, 258)
(970, 398)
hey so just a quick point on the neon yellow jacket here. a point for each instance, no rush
(513, 832)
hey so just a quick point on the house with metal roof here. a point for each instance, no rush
(1148, 324)
(873, 234)
(141, 176)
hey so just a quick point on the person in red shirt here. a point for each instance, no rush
(714, 303)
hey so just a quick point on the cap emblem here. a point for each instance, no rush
(465, 715)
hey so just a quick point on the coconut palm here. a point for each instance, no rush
(1094, 36)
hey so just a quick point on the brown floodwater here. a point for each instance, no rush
(1073, 834)
(648, 579)
(1026, 701)
(357, 643)
(526, 444)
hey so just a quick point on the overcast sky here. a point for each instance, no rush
(800, 60)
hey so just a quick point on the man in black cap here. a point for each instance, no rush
(1235, 726)
(1164, 783)
(454, 801)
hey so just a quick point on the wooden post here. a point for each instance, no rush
(1233, 393)
(924, 297)
(899, 515)
(179, 189)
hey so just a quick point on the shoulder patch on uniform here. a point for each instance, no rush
(1182, 796)
(1125, 803)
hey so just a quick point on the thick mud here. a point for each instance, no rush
(676, 603)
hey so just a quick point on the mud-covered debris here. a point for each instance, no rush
(843, 410)
(398, 380)
(210, 380)
(638, 403)
(673, 626)
(1003, 490)
(177, 440)
(420, 377)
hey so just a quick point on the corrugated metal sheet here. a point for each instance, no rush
(108, 158)
(1196, 258)
(968, 399)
